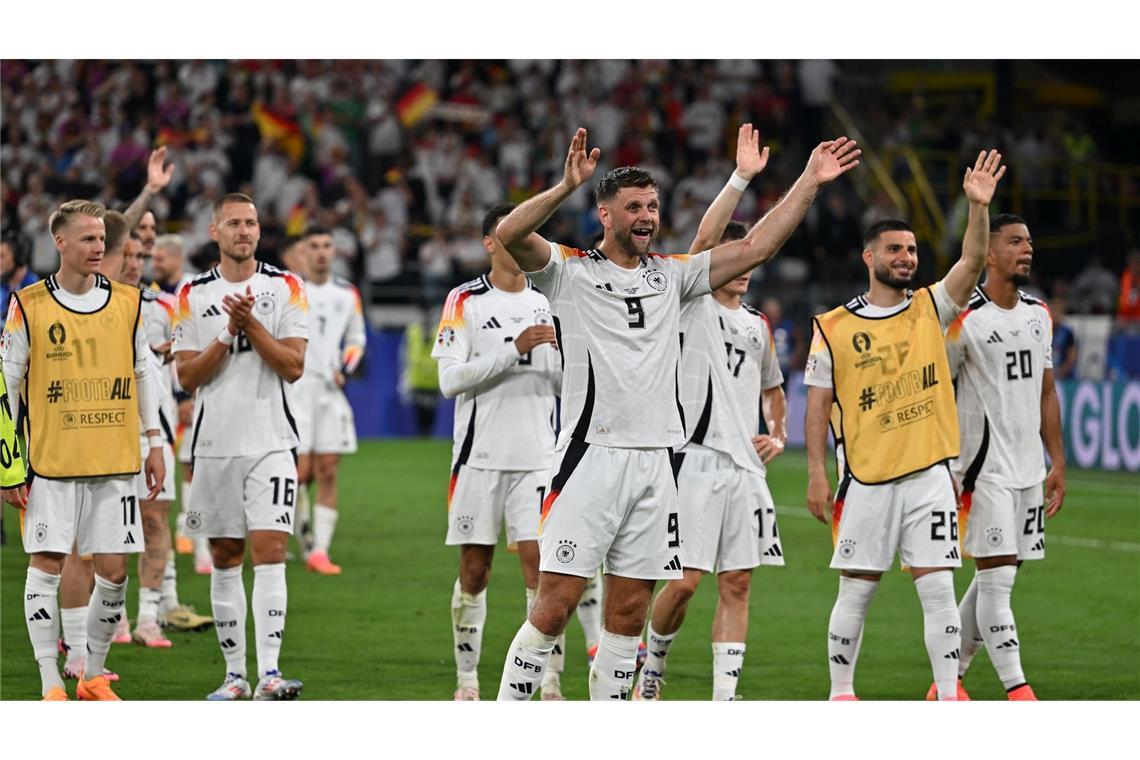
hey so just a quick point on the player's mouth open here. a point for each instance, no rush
(642, 232)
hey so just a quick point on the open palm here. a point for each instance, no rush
(580, 165)
(981, 181)
(833, 158)
(750, 160)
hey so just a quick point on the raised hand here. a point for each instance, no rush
(832, 159)
(981, 181)
(580, 166)
(157, 175)
(750, 160)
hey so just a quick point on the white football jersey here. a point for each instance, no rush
(158, 311)
(336, 331)
(619, 330)
(998, 357)
(504, 417)
(727, 357)
(242, 410)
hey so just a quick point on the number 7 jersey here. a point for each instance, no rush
(998, 357)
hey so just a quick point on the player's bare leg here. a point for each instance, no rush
(468, 614)
(530, 650)
(729, 631)
(845, 629)
(41, 613)
(669, 610)
(942, 626)
(324, 514)
(157, 545)
(305, 467)
(626, 607)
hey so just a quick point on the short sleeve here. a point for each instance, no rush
(549, 278)
(1048, 337)
(817, 372)
(295, 316)
(770, 374)
(948, 311)
(185, 332)
(695, 275)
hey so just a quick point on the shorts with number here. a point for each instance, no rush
(915, 516)
(727, 513)
(611, 507)
(99, 515)
(324, 419)
(167, 492)
(483, 499)
(997, 521)
(232, 496)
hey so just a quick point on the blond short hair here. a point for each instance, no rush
(63, 215)
(170, 242)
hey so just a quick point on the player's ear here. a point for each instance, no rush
(489, 245)
(868, 257)
(604, 216)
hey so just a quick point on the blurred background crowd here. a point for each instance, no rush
(402, 158)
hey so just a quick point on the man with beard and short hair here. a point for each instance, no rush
(881, 360)
(612, 498)
(1000, 350)
(167, 262)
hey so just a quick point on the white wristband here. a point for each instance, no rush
(155, 441)
(737, 182)
(226, 337)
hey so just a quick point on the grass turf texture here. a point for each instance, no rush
(382, 630)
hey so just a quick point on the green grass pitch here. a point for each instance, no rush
(382, 629)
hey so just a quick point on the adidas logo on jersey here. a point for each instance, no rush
(674, 564)
(284, 519)
(994, 338)
(953, 553)
(213, 311)
(606, 287)
(491, 324)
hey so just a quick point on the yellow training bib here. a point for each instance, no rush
(892, 386)
(83, 412)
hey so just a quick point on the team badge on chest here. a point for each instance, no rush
(657, 280)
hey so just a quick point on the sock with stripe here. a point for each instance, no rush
(657, 649)
(270, 602)
(227, 601)
(845, 632)
(972, 640)
(611, 675)
(995, 618)
(728, 661)
(590, 611)
(41, 615)
(942, 630)
(107, 606)
(526, 662)
(468, 614)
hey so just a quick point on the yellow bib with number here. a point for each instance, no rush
(892, 386)
(83, 408)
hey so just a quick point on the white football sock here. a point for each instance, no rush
(107, 606)
(41, 613)
(995, 618)
(75, 632)
(468, 614)
(845, 631)
(148, 604)
(202, 554)
(611, 675)
(324, 524)
(557, 662)
(942, 630)
(169, 586)
(526, 663)
(728, 661)
(227, 601)
(657, 649)
(270, 602)
(590, 611)
(972, 640)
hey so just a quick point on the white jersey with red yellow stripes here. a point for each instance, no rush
(619, 330)
(998, 357)
(504, 410)
(242, 410)
(336, 331)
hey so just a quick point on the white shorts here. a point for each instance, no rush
(233, 496)
(997, 521)
(324, 420)
(481, 499)
(727, 511)
(917, 516)
(611, 506)
(167, 493)
(99, 515)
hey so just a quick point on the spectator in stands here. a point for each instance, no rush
(787, 337)
(1094, 290)
(1128, 305)
(1064, 341)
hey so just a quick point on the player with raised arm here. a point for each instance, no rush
(882, 360)
(239, 337)
(725, 508)
(74, 346)
(612, 498)
(497, 357)
(324, 418)
(1001, 352)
